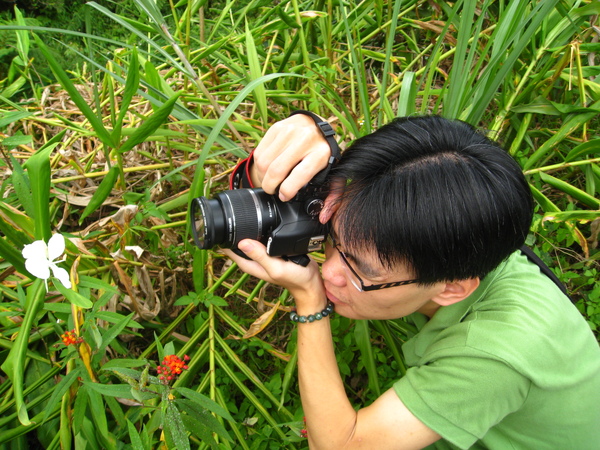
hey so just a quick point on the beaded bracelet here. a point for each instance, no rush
(294, 317)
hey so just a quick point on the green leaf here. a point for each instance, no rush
(13, 88)
(150, 8)
(6, 118)
(204, 401)
(150, 125)
(290, 371)
(38, 171)
(102, 192)
(195, 424)
(575, 109)
(22, 37)
(111, 390)
(174, 428)
(17, 219)
(201, 423)
(564, 216)
(95, 283)
(260, 94)
(545, 202)
(109, 335)
(123, 362)
(539, 105)
(13, 256)
(159, 348)
(568, 127)
(191, 297)
(22, 188)
(361, 332)
(288, 20)
(114, 317)
(134, 436)
(131, 87)
(211, 299)
(169, 349)
(11, 142)
(454, 101)
(587, 148)
(98, 413)
(142, 396)
(408, 95)
(14, 364)
(571, 190)
(60, 389)
(79, 408)
(156, 80)
(129, 376)
(74, 297)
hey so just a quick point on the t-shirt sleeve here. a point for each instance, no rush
(461, 398)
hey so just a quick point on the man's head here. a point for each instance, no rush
(435, 195)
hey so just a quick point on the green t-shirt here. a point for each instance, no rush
(513, 366)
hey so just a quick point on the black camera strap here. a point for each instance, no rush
(544, 269)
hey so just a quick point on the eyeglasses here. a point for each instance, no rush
(356, 280)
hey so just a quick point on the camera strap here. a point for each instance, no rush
(531, 256)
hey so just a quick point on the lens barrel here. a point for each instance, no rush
(232, 216)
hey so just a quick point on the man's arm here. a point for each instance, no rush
(332, 422)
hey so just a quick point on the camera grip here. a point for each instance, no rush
(301, 260)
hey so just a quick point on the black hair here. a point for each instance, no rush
(434, 194)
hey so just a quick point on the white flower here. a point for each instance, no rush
(39, 259)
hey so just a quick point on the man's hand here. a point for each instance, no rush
(291, 153)
(304, 283)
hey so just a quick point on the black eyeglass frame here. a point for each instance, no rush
(363, 286)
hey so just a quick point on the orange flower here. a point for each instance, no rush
(70, 338)
(304, 431)
(171, 368)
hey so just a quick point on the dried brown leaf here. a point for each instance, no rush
(261, 323)
(436, 26)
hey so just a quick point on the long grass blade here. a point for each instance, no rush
(14, 364)
(363, 340)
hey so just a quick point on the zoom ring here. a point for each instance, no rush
(245, 217)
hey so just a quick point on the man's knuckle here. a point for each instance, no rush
(261, 164)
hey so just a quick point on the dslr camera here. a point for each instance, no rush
(288, 229)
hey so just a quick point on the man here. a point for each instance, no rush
(427, 216)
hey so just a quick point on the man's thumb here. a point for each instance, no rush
(252, 248)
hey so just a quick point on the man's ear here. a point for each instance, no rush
(332, 201)
(455, 291)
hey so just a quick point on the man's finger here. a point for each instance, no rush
(251, 266)
(253, 249)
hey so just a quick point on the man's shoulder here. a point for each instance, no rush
(518, 317)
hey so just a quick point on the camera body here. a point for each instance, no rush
(287, 229)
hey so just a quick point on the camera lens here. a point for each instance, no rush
(232, 216)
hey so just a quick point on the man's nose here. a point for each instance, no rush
(333, 271)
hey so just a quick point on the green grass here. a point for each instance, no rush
(110, 151)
